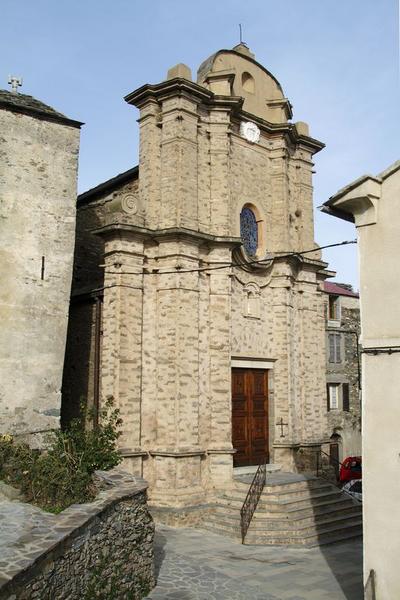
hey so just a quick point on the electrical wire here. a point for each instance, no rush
(261, 261)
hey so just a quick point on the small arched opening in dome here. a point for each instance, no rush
(248, 83)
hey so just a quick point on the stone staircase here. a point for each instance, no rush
(297, 510)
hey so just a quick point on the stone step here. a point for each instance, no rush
(270, 527)
(304, 526)
(304, 516)
(281, 500)
(342, 502)
(292, 508)
(326, 535)
(300, 509)
(301, 513)
(336, 537)
(270, 468)
(291, 486)
(329, 513)
(329, 535)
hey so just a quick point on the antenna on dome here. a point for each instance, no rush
(241, 43)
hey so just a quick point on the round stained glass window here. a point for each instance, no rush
(249, 230)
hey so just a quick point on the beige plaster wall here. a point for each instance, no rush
(379, 247)
(381, 463)
(38, 174)
(374, 201)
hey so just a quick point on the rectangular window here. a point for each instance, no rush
(334, 308)
(335, 355)
(333, 396)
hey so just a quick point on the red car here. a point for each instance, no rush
(350, 469)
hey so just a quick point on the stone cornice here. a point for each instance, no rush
(288, 129)
(234, 103)
(177, 453)
(168, 88)
(266, 263)
(170, 234)
(306, 263)
(180, 86)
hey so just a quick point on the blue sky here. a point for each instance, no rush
(337, 60)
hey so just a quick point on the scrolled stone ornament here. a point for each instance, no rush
(129, 204)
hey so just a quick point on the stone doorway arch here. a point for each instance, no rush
(335, 452)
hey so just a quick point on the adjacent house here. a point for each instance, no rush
(343, 377)
(372, 203)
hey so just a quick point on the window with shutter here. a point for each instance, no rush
(345, 396)
(335, 350)
(333, 391)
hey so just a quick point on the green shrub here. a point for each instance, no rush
(63, 473)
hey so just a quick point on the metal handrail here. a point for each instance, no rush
(252, 498)
(331, 459)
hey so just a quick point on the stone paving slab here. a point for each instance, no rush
(192, 564)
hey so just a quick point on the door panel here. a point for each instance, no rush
(250, 416)
(240, 418)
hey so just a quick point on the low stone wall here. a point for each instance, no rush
(99, 550)
(192, 516)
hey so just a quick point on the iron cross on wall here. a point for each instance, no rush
(281, 424)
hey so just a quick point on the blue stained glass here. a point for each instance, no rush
(249, 231)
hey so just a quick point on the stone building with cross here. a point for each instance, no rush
(197, 299)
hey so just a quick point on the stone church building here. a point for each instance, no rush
(197, 298)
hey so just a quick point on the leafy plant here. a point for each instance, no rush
(62, 474)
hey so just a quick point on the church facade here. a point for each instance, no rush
(197, 300)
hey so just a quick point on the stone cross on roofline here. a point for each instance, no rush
(15, 82)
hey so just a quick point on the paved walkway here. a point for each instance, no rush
(192, 564)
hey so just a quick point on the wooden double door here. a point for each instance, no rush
(250, 416)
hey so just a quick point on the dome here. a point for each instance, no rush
(236, 73)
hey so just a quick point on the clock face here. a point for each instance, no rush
(250, 132)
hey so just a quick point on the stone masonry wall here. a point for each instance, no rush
(102, 549)
(80, 374)
(38, 174)
(346, 423)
